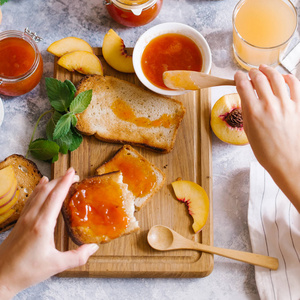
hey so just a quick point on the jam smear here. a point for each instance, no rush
(140, 178)
(99, 206)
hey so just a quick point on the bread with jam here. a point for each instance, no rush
(144, 179)
(99, 209)
(28, 176)
(121, 112)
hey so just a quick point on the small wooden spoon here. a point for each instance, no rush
(190, 80)
(164, 239)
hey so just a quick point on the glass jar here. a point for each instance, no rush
(133, 13)
(21, 64)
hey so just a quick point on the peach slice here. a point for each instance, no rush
(4, 209)
(81, 61)
(115, 54)
(196, 199)
(8, 184)
(67, 45)
(227, 121)
(7, 215)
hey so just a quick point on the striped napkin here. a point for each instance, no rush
(274, 226)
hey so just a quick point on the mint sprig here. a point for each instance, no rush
(62, 135)
(3, 1)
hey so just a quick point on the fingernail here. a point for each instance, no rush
(70, 170)
(76, 178)
(93, 248)
(44, 179)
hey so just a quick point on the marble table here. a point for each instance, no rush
(55, 19)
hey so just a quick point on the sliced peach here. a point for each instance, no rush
(81, 61)
(67, 45)
(196, 199)
(227, 121)
(7, 215)
(8, 196)
(8, 184)
(114, 52)
(4, 209)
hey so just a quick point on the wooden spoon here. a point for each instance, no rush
(164, 239)
(190, 80)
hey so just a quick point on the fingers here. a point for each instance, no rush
(78, 257)
(276, 81)
(55, 198)
(294, 85)
(245, 90)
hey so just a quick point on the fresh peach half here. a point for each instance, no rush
(114, 52)
(67, 45)
(196, 199)
(81, 61)
(227, 121)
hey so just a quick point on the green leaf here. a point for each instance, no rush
(3, 1)
(63, 126)
(74, 120)
(76, 140)
(81, 102)
(59, 94)
(71, 87)
(43, 149)
(51, 124)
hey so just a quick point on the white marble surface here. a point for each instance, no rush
(55, 19)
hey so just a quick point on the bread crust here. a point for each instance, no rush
(100, 120)
(28, 176)
(81, 235)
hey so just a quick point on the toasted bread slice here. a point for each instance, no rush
(99, 209)
(28, 176)
(121, 112)
(143, 178)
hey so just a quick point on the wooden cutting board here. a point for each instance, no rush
(191, 159)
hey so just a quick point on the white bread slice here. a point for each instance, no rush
(28, 176)
(148, 119)
(86, 234)
(127, 157)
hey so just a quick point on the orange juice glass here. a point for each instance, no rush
(262, 30)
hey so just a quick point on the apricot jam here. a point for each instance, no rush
(169, 52)
(133, 13)
(98, 204)
(124, 112)
(140, 178)
(21, 64)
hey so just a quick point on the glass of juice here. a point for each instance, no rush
(262, 30)
(21, 64)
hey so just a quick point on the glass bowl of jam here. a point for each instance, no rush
(133, 13)
(21, 64)
(169, 47)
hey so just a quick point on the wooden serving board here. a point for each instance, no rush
(191, 159)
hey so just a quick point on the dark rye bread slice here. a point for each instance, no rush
(28, 176)
(144, 118)
(85, 234)
(140, 166)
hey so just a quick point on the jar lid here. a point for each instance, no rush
(1, 112)
(136, 6)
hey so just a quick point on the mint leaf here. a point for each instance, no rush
(3, 1)
(63, 126)
(81, 102)
(74, 120)
(43, 149)
(76, 139)
(71, 87)
(51, 124)
(59, 94)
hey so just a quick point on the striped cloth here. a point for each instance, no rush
(274, 226)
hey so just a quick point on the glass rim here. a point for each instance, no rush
(21, 35)
(127, 6)
(259, 47)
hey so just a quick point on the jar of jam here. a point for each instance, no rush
(133, 13)
(21, 64)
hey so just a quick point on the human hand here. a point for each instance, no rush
(272, 123)
(28, 255)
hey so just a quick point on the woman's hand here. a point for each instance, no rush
(272, 124)
(28, 255)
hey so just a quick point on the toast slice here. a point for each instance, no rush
(28, 176)
(143, 178)
(99, 209)
(121, 112)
